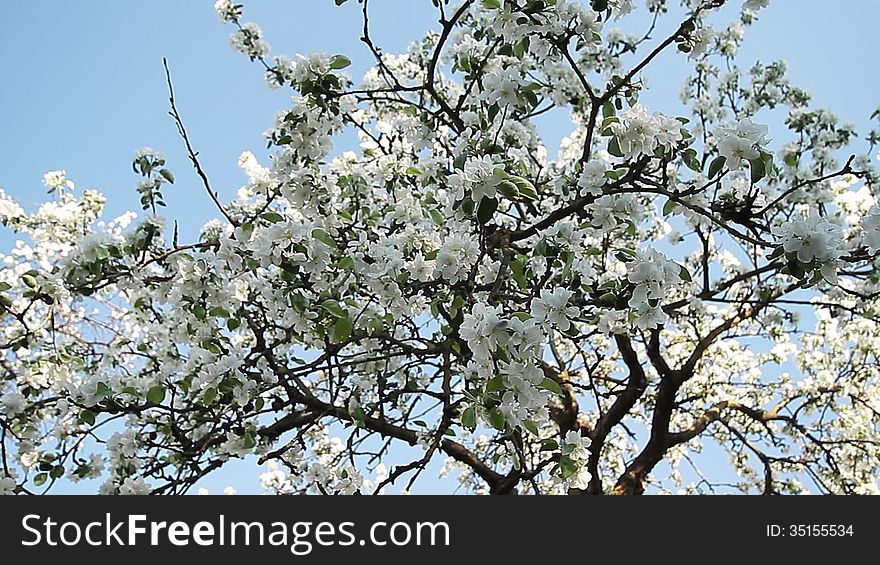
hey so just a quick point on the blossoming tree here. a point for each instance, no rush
(673, 304)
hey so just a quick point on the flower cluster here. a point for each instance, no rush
(653, 275)
(814, 242)
(640, 132)
(740, 142)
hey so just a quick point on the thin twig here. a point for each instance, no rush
(193, 155)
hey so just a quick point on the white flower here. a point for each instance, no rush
(276, 480)
(456, 256)
(234, 445)
(91, 246)
(701, 40)
(57, 180)
(639, 132)
(580, 444)
(476, 176)
(612, 322)
(484, 329)
(249, 41)
(134, 487)
(252, 168)
(420, 269)
(740, 142)
(309, 67)
(10, 210)
(13, 403)
(148, 152)
(871, 228)
(227, 10)
(645, 316)
(576, 448)
(755, 5)
(592, 178)
(7, 486)
(123, 445)
(552, 308)
(652, 273)
(812, 238)
(500, 85)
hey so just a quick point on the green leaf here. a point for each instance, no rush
(608, 107)
(218, 312)
(323, 237)
(209, 396)
(166, 174)
(249, 440)
(495, 384)
(456, 305)
(458, 162)
(273, 217)
(689, 156)
(358, 414)
(40, 479)
(486, 209)
(496, 419)
(567, 466)
(758, 169)
(87, 417)
(30, 280)
(517, 271)
(437, 216)
(492, 4)
(57, 472)
(796, 268)
(339, 62)
(469, 418)
(334, 309)
(551, 385)
(614, 147)
(549, 445)
(525, 187)
(791, 159)
(156, 394)
(493, 112)
(103, 390)
(530, 426)
(685, 274)
(669, 207)
(342, 329)
(508, 189)
(778, 252)
(209, 345)
(716, 165)
(233, 324)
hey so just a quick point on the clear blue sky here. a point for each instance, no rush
(84, 86)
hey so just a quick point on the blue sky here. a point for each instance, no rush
(84, 85)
